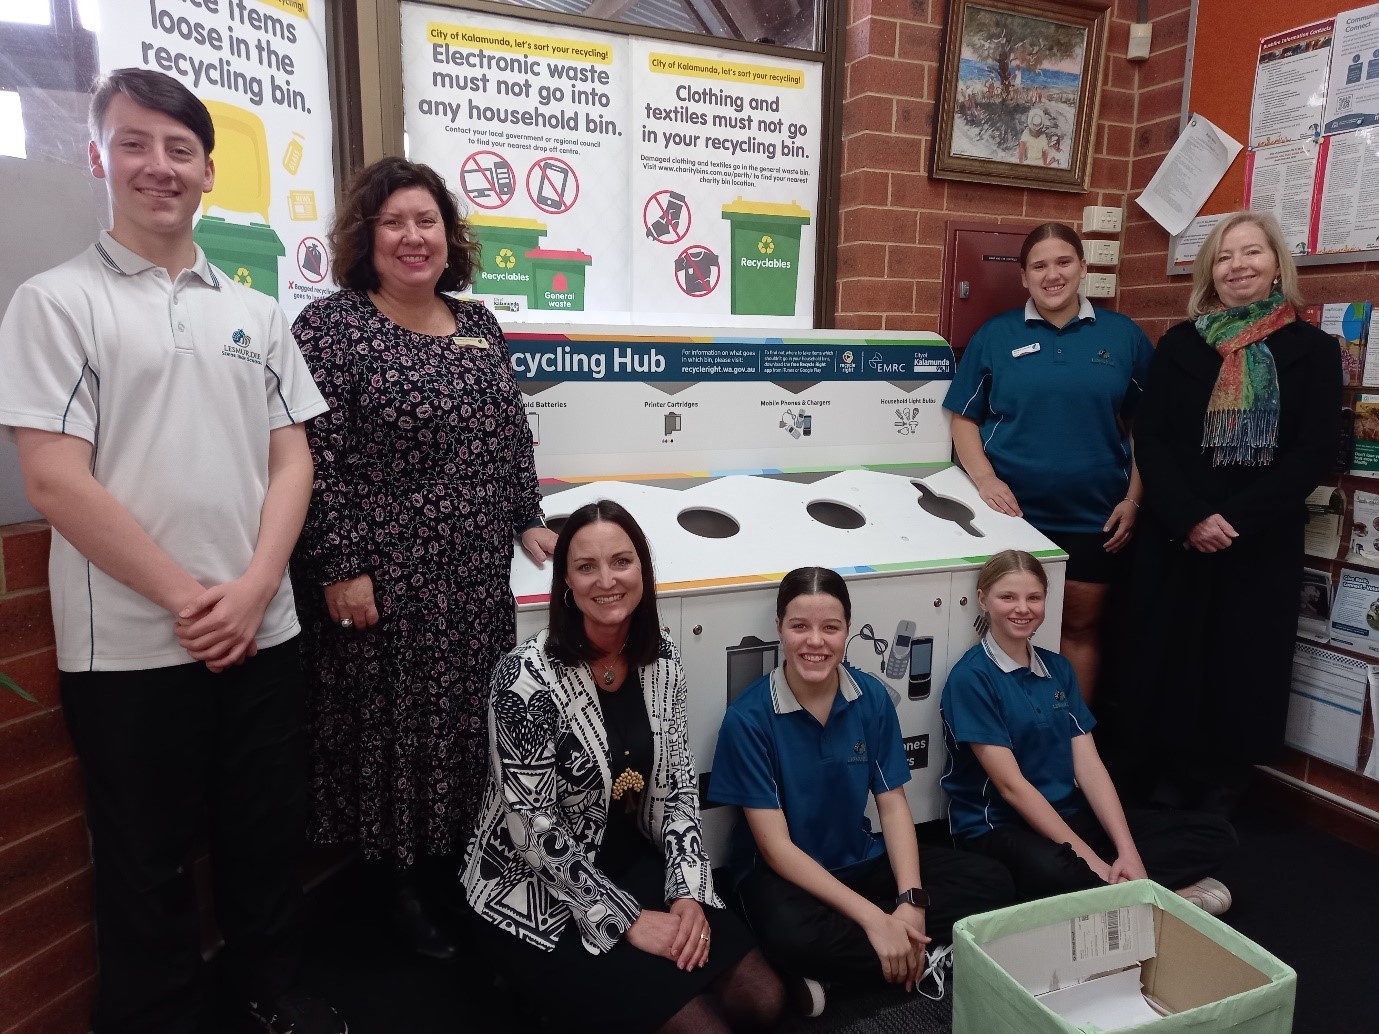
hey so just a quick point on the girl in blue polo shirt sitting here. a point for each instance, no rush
(800, 751)
(1025, 783)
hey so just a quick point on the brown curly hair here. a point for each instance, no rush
(351, 235)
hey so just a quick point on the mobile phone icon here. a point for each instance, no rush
(899, 656)
(921, 667)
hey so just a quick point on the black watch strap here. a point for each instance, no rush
(917, 896)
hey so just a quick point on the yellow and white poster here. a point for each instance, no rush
(260, 67)
(619, 180)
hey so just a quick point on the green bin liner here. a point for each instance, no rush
(988, 1000)
(505, 241)
(557, 279)
(247, 253)
(765, 256)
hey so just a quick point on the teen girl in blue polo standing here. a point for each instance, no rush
(1025, 784)
(1041, 405)
(801, 751)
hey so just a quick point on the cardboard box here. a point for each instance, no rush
(1129, 957)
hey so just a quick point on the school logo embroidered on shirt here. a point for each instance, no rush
(1060, 699)
(1103, 357)
(238, 348)
(859, 753)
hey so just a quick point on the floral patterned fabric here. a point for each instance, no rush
(424, 473)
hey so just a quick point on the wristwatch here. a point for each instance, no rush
(917, 896)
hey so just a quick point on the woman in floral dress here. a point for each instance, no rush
(424, 476)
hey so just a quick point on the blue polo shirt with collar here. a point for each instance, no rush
(1035, 711)
(1054, 405)
(772, 753)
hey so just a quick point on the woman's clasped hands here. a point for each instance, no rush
(680, 935)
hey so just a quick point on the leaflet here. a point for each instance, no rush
(1314, 605)
(1326, 702)
(1355, 613)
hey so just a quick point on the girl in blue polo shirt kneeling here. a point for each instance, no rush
(1025, 783)
(800, 751)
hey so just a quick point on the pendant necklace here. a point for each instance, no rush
(610, 672)
(629, 781)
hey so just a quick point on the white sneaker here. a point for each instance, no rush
(1210, 895)
(806, 995)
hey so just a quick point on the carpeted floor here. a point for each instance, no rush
(1310, 899)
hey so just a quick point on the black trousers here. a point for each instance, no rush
(802, 935)
(1177, 848)
(170, 754)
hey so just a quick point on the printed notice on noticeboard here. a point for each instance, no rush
(1352, 92)
(1290, 84)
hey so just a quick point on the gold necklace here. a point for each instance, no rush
(610, 672)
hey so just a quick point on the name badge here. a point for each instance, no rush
(1029, 349)
(470, 342)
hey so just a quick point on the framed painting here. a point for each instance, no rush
(1019, 89)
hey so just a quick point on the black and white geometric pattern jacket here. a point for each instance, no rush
(530, 868)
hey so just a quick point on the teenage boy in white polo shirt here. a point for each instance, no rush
(157, 408)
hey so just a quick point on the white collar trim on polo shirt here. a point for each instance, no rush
(1084, 312)
(783, 700)
(1004, 661)
(122, 260)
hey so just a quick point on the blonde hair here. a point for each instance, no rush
(1204, 298)
(1009, 561)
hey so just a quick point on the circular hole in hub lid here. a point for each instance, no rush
(836, 515)
(556, 524)
(708, 524)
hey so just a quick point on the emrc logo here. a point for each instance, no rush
(879, 364)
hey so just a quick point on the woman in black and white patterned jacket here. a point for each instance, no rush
(588, 863)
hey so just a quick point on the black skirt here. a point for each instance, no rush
(625, 989)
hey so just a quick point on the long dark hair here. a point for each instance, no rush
(1047, 231)
(813, 581)
(567, 641)
(351, 236)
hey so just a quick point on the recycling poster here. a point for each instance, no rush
(260, 68)
(618, 180)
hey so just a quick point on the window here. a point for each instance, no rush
(787, 23)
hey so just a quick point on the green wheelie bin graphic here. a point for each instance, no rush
(504, 242)
(765, 256)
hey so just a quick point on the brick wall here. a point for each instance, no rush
(892, 214)
(47, 960)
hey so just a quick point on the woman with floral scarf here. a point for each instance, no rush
(1239, 422)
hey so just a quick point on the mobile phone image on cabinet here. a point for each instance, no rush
(921, 667)
(898, 659)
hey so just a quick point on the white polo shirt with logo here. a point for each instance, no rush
(176, 384)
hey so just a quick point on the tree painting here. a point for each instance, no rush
(1019, 84)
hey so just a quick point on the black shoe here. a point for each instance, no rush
(298, 1013)
(417, 930)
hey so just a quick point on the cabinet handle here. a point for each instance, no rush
(962, 602)
(698, 630)
(938, 602)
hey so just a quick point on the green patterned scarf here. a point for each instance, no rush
(1242, 416)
